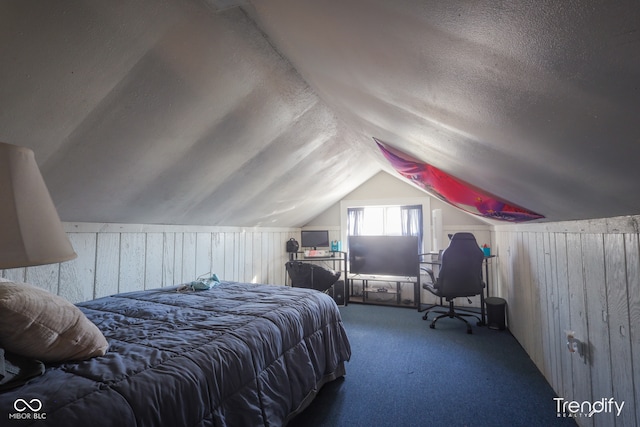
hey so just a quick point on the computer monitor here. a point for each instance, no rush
(315, 239)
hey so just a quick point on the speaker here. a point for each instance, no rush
(337, 292)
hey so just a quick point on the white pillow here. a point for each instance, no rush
(38, 324)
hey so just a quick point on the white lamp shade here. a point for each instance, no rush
(30, 229)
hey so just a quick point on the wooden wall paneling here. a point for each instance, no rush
(169, 259)
(132, 262)
(580, 366)
(251, 257)
(121, 258)
(154, 258)
(189, 272)
(507, 269)
(107, 264)
(247, 267)
(523, 289)
(496, 288)
(531, 295)
(230, 266)
(218, 254)
(553, 307)
(246, 257)
(509, 277)
(256, 264)
(596, 293)
(500, 264)
(241, 256)
(244, 249)
(203, 254)
(547, 301)
(44, 276)
(589, 282)
(564, 315)
(15, 274)
(266, 257)
(619, 339)
(279, 257)
(269, 265)
(494, 266)
(77, 276)
(258, 257)
(178, 260)
(244, 253)
(538, 273)
(633, 284)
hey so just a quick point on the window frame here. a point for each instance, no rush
(406, 201)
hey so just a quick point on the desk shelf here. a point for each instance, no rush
(384, 290)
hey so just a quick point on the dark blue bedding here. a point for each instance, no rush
(236, 355)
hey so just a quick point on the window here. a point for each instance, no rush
(385, 221)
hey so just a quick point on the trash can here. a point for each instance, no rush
(496, 312)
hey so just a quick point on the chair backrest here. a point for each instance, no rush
(461, 267)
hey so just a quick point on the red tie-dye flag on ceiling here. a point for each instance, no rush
(454, 191)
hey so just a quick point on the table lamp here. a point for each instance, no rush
(30, 229)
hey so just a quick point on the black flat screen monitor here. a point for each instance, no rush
(315, 238)
(384, 255)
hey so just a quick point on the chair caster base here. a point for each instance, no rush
(432, 326)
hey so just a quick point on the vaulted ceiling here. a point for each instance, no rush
(263, 112)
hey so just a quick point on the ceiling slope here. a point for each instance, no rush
(171, 114)
(535, 102)
(206, 112)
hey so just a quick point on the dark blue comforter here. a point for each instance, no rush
(236, 355)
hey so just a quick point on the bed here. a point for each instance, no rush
(238, 354)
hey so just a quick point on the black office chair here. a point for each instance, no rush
(460, 275)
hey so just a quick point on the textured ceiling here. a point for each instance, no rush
(263, 114)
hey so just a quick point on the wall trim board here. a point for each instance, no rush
(92, 227)
(615, 225)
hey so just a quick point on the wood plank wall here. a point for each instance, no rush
(581, 276)
(115, 258)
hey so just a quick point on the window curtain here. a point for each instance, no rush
(355, 221)
(412, 222)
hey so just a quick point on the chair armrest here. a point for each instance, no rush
(430, 273)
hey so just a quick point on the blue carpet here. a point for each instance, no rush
(402, 373)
